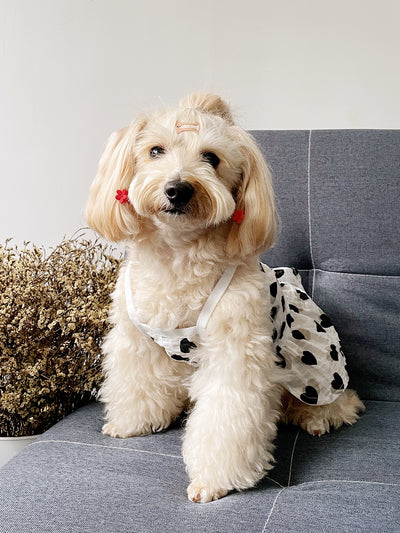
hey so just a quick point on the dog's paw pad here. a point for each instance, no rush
(199, 493)
(317, 427)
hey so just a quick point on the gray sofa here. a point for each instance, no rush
(338, 194)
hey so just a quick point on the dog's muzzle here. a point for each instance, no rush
(179, 194)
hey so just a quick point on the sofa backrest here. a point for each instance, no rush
(338, 196)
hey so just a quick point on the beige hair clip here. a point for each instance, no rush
(187, 126)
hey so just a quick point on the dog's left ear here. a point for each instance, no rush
(255, 197)
(104, 213)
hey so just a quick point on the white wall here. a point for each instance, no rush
(74, 70)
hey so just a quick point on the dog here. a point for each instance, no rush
(198, 323)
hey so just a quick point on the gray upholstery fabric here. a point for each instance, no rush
(76, 480)
(338, 196)
(343, 189)
(287, 156)
(366, 311)
(354, 201)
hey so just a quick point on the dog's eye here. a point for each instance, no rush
(156, 151)
(211, 158)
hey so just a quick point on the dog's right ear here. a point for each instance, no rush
(209, 103)
(111, 219)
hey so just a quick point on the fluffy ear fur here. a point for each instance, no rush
(111, 219)
(255, 196)
(209, 103)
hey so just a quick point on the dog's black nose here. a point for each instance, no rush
(179, 192)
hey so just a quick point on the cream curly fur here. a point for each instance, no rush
(176, 258)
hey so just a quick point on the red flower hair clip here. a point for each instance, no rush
(122, 196)
(238, 216)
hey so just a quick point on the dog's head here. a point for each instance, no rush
(189, 169)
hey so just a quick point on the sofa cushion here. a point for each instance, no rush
(76, 479)
(338, 196)
(287, 155)
(354, 183)
(366, 314)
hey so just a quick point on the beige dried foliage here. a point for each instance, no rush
(53, 317)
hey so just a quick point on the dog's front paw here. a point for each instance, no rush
(316, 427)
(200, 493)
(113, 430)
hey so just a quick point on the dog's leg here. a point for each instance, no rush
(228, 439)
(143, 390)
(317, 419)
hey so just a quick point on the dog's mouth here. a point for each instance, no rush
(175, 211)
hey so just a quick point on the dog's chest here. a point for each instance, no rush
(167, 300)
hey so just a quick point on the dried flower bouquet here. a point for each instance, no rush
(53, 316)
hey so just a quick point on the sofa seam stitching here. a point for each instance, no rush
(361, 482)
(283, 488)
(274, 481)
(272, 509)
(292, 458)
(320, 481)
(309, 210)
(59, 441)
(105, 446)
(350, 273)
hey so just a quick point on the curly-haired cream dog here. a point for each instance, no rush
(196, 319)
